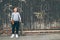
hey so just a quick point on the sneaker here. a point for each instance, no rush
(12, 35)
(16, 35)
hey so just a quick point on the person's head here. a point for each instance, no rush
(15, 9)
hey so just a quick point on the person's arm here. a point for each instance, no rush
(12, 17)
(12, 21)
(19, 18)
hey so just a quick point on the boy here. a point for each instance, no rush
(15, 19)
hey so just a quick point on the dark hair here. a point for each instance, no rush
(15, 7)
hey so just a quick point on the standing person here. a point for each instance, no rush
(15, 19)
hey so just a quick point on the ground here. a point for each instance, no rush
(41, 36)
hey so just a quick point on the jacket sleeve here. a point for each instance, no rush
(12, 17)
(19, 17)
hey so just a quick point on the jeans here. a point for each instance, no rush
(15, 25)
